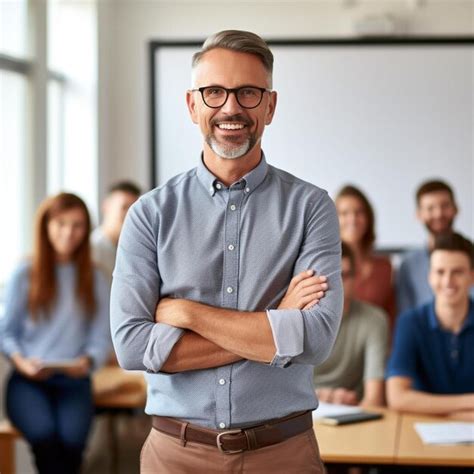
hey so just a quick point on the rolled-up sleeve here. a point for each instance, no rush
(307, 336)
(139, 342)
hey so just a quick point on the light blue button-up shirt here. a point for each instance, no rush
(66, 333)
(232, 247)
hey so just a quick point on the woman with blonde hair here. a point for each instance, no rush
(56, 331)
(373, 273)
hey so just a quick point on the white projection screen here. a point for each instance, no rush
(381, 115)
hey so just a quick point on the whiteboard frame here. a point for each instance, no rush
(372, 42)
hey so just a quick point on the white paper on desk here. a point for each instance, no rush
(332, 409)
(446, 433)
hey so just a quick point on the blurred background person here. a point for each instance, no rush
(55, 332)
(354, 372)
(104, 239)
(436, 209)
(373, 273)
(431, 367)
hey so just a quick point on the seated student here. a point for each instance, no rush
(431, 368)
(353, 373)
(104, 239)
(55, 331)
(436, 209)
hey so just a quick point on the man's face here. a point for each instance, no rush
(352, 219)
(67, 231)
(116, 206)
(450, 277)
(347, 273)
(437, 211)
(231, 131)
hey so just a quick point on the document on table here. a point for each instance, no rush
(334, 409)
(446, 433)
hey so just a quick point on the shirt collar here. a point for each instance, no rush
(252, 179)
(469, 322)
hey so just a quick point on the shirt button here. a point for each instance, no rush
(230, 289)
(222, 425)
(247, 190)
(219, 186)
(231, 247)
(222, 382)
(233, 207)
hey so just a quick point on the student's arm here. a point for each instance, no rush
(99, 344)
(279, 336)
(402, 397)
(375, 355)
(16, 311)
(374, 395)
(338, 395)
(463, 415)
(193, 351)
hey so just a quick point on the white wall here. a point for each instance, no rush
(126, 27)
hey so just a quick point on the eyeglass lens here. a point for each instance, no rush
(247, 97)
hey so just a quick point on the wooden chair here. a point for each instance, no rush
(8, 435)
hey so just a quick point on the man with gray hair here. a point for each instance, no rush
(215, 293)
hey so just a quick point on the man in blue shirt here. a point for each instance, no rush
(436, 209)
(202, 266)
(431, 368)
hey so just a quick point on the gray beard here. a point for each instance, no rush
(230, 151)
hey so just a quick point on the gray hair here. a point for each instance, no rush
(240, 41)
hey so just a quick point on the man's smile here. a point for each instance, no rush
(231, 126)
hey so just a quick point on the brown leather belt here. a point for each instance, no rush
(237, 440)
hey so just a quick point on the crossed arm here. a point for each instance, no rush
(401, 396)
(216, 336)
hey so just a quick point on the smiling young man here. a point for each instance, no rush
(203, 264)
(436, 209)
(431, 369)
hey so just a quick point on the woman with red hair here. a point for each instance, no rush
(373, 281)
(56, 331)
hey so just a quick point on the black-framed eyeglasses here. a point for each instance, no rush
(248, 97)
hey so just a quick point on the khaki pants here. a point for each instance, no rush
(164, 454)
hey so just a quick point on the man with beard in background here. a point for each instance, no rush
(436, 209)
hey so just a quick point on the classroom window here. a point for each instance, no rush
(13, 127)
(48, 113)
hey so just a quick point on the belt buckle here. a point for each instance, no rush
(219, 442)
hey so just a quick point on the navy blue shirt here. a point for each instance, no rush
(437, 360)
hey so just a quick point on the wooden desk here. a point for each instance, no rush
(412, 451)
(114, 387)
(371, 442)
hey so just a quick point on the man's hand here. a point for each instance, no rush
(305, 290)
(337, 395)
(30, 367)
